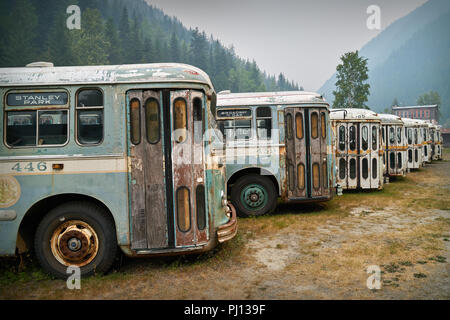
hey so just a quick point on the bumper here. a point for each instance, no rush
(229, 230)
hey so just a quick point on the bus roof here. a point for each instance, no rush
(109, 74)
(390, 118)
(353, 114)
(269, 98)
(412, 122)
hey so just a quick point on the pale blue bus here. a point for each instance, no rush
(277, 146)
(96, 158)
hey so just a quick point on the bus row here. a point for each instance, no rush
(290, 145)
(149, 159)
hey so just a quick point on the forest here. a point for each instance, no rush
(122, 32)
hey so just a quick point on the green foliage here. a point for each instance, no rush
(89, 45)
(351, 89)
(121, 32)
(429, 98)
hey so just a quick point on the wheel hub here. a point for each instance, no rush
(254, 196)
(74, 243)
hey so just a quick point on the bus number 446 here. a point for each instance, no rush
(41, 166)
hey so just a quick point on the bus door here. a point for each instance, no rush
(296, 153)
(352, 162)
(306, 153)
(374, 145)
(318, 152)
(341, 153)
(166, 178)
(364, 156)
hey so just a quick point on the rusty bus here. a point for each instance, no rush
(414, 142)
(394, 146)
(426, 141)
(99, 157)
(277, 145)
(358, 148)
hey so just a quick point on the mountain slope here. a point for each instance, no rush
(401, 53)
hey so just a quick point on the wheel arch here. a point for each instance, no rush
(31, 219)
(253, 170)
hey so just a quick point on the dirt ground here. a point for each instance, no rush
(318, 251)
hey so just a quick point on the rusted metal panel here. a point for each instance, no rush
(154, 180)
(137, 156)
(182, 165)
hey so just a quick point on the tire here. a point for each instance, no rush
(265, 200)
(76, 234)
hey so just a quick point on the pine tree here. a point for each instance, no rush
(90, 45)
(17, 47)
(112, 36)
(174, 48)
(351, 89)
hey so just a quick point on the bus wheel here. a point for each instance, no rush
(254, 195)
(76, 234)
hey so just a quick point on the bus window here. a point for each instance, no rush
(342, 165)
(52, 128)
(314, 125)
(135, 121)
(365, 138)
(200, 205)
(180, 120)
(236, 129)
(198, 120)
(352, 168)
(399, 160)
(323, 125)
(152, 120)
(301, 176)
(325, 174)
(365, 168)
(264, 122)
(399, 135)
(316, 176)
(392, 160)
(21, 128)
(342, 138)
(415, 137)
(289, 126)
(410, 136)
(299, 125)
(183, 209)
(89, 112)
(374, 138)
(391, 135)
(352, 138)
(374, 168)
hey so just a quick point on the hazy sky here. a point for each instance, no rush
(303, 39)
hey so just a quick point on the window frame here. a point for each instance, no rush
(7, 108)
(150, 99)
(90, 108)
(269, 135)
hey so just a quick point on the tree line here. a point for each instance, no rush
(122, 32)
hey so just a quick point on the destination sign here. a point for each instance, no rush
(234, 113)
(37, 99)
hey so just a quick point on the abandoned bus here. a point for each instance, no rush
(438, 142)
(426, 141)
(276, 145)
(358, 148)
(394, 146)
(103, 156)
(414, 142)
(424, 136)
